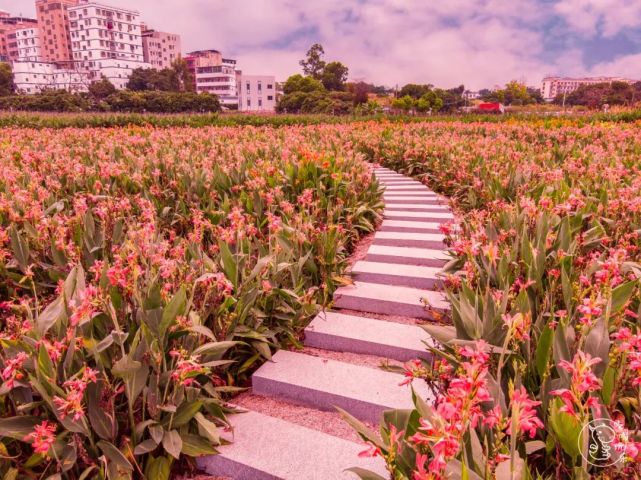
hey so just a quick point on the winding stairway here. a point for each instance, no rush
(377, 316)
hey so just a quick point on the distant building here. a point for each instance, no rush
(256, 93)
(553, 86)
(34, 77)
(106, 41)
(28, 45)
(214, 74)
(469, 95)
(160, 49)
(53, 20)
(8, 38)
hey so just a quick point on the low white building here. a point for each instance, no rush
(256, 93)
(106, 41)
(552, 86)
(28, 40)
(34, 77)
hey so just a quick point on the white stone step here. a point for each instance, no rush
(409, 214)
(425, 237)
(415, 276)
(408, 197)
(407, 255)
(268, 448)
(325, 384)
(432, 205)
(367, 336)
(409, 224)
(389, 299)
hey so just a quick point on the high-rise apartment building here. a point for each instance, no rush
(8, 38)
(214, 74)
(53, 21)
(160, 49)
(29, 45)
(106, 41)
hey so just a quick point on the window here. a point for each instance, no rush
(270, 86)
(270, 97)
(260, 102)
(249, 102)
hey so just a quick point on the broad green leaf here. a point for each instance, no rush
(543, 350)
(20, 248)
(114, 455)
(54, 313)
(566, 428)
(158, 468)
(186, 412)
(621, 295)
(172, 443)
(196, 446)
(18, 427)
(173, 309)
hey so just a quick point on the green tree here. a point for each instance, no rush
(7, 87)
(405, 103)
(145, 79)
(414, 90)
(298, 83)
(334, 76)
(101, 89)
(313, 65)
(183, 75)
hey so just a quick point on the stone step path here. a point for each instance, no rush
(395, 282)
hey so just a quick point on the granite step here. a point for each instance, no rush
(325, 384)
(268, 448)
(392, 225)
(389, 300)
(349, 333)
(415, 276)
(428, 257)
(440, 215)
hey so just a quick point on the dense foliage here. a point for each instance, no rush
(545, 328)
(145, 273)
(117, 101)
(600, 94)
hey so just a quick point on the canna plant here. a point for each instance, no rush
(545, 291)
(146, 273)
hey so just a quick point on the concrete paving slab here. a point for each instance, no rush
(389, 300)
(367, 336)
(325, 384)
(414, 276)
(268, 448)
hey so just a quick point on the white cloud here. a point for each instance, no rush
(476, 42)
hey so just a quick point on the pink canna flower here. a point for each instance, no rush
(42, 437)
(524, 412)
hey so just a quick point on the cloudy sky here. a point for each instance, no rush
(480, 43)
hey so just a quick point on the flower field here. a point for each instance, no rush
(146, 272)
(545, 293)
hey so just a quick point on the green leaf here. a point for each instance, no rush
(101, 423)
(145, 446)
(172, 443)
(214, 348)
(230, 265)
(207, 428)
(18, 427)
(173, 309)
(364, 474)
(114, 455)
(543, 350)
(186, 412)
(566, 428)
(597, 344)
(196, 446)
(54, 313)
(621, 295)
(45, 365)
(158, 468)
(20, 248)
(362, 429)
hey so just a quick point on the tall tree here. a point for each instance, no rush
(334, 76)
(184, 75)
(313, 65)
(7, 87)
